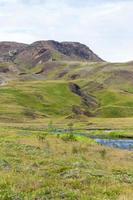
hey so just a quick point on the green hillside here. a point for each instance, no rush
(43, 91)
(37, 99)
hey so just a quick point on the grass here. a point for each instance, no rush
(58, 169)
(114, 103)
(111, 134)
(37, 99)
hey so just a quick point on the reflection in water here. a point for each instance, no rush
(122, 144)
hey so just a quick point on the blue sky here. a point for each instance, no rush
(104, 25)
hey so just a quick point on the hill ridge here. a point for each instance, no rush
(45, 50)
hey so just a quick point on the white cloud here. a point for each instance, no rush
(105, 26)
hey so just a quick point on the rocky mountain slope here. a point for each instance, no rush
(42, 51)
(8, 50)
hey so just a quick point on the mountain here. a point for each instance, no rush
(42, 51)
(48, 79)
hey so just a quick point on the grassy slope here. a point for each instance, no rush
(115, 104)
(37, 99)
(111, 84)
(106, 81)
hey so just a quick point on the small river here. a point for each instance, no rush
(116, 143)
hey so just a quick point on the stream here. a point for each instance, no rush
(116, 143)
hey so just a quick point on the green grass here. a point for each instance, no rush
(37, 99)
(114, 103)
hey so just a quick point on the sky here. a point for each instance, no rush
(106, 26)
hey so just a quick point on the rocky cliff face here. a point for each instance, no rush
(78, 51)
(43, 51)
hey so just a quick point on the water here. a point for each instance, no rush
(116, 143)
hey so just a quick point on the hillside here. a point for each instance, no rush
(48, 79)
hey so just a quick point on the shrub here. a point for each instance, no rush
(69, 137)
(75, 150)
(30, 113)
(42, 136)
(70, 127)
(103, 153)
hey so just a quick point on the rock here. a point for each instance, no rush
(89, 100)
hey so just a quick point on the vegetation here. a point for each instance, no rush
(36, 99)
(43, 90)
(52, 168)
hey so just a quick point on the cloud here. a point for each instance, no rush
(105, 26)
